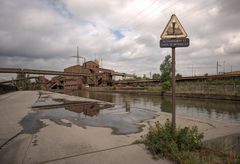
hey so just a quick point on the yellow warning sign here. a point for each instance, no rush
(174, 29)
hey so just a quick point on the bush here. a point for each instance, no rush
(160, 140)
(183, 145)
(189, 139)
(165, 86)
(165, 141)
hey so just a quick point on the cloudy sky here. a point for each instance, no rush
(44, 34)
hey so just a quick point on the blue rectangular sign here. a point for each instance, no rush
(172, 43)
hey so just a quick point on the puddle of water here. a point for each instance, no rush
(123, 119)
(46, 100)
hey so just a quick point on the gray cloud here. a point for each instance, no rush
(44, 34)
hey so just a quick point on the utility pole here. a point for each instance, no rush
(78, 57)
(218, 65)
(223, 66)
(192, 70)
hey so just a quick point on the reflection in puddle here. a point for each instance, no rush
(121, 118)
(127, 106)
(88, 109)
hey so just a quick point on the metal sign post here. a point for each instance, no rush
(174, 36)
(173, 89)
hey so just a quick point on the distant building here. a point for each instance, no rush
(97, 76)
(57, 82)
(43, 82)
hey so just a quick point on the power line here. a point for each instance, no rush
(135, 16)
(139, 13)
(186, 14)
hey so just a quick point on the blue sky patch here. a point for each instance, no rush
(117, 33)
(59, 7)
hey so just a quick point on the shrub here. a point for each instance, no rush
(165, 86)
(165, 141)
(189, 139)
(183, 145)
(160, 140)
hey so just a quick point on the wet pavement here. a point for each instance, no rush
(58, 128)
(122, 119)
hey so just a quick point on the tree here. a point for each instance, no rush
(156, 76)
(165, 69)
(144, 76)
(23, 82)
(178, 76)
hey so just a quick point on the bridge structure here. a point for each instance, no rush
(229, 75)
(62, 73)
(182, 79)
(41, 72)
(59, 81)
(15, 80)
(156, 81)
(225, 76)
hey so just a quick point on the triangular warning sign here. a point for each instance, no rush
(174, 29)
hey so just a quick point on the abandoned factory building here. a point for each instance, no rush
(96, 76)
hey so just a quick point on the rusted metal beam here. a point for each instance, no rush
(43, 72)
(10, 81)
(122, 74)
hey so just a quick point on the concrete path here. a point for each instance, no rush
(55, 143)
(13, 107)
(61, 144)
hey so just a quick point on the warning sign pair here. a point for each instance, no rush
(174, 34)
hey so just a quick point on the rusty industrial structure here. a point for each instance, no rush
(88, 74)
(98, 76)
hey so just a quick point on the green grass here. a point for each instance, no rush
(213, 82)
(216, 87)
(154, 89)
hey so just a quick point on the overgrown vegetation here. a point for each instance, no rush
(165, 86)
(235, 81)
(166, 71)
(183, 145)
(24, 82)
(165, 141)
(156, 76)
(216, 87)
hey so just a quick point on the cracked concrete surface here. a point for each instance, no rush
(74, 144)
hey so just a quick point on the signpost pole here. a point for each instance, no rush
(174, 36)
(173, 89)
